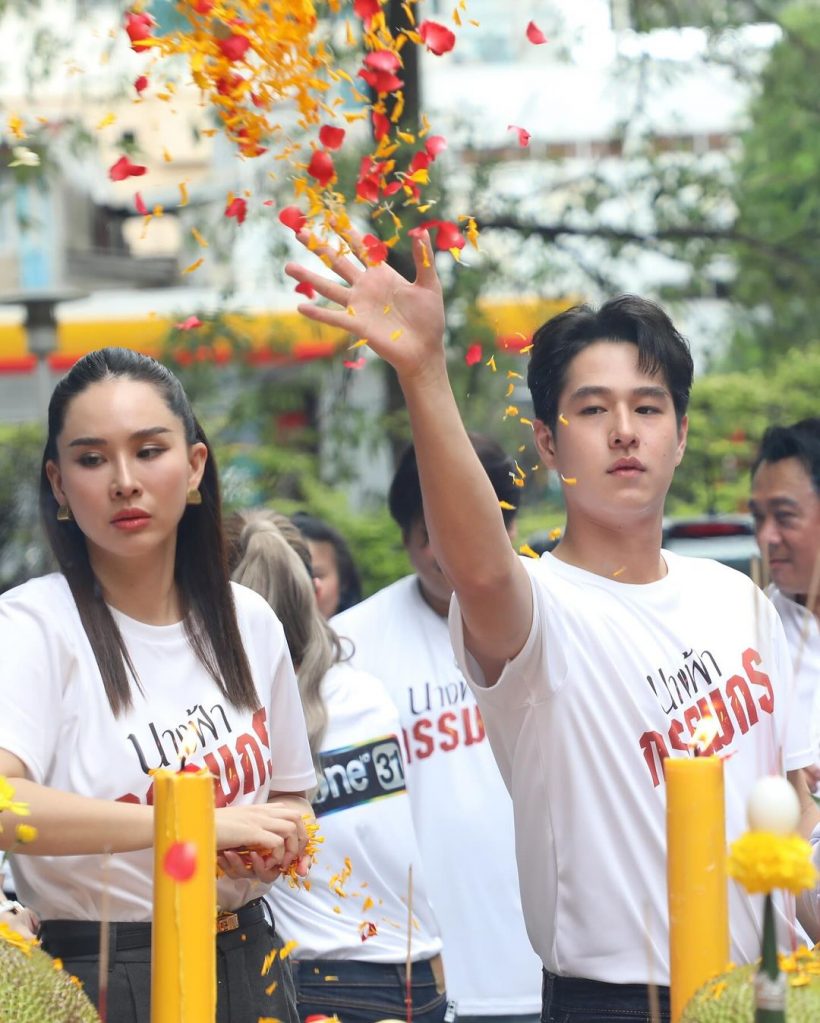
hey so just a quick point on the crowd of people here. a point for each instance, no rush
(481, 742)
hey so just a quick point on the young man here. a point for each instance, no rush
(594, 663)
(785, 504)
(461, 810)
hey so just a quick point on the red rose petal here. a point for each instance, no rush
(381, 125)
(366, 9)
(234, 47)
(190, 324)
(124, 168)
(139, 205)
(140, 84)
(381, 81)
(237, 208)
(353, 364)
(292, 217)
(535, 35)
(306, 289)
(523, 135)
(321, 167)
(331, 137)
(382, 60)
(436, 37)
(376, 249)
(473, 355)
(434, 145)
(180, 861)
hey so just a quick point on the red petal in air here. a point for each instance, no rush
(138, 25)
(234, 47)
(523, 135)
(535, 35)
(436, 37)
(381, 125)
(449, 237)
(434, 145)
(203, 6)
(382, 60)
(321, 167)
(139, 205)
(381, 81)
(306, 289)
(353, 364)
(331, 137)
(421, 161)
(190, 324)
(123, 169)
(473, 355)
(237, 208)
(140, 84)
(367, 188)
(376, 249)
(366, 9)
(292, 217)
(180, 861)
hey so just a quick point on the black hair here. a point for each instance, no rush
(404, 498)
(661, 348)
(800, 440)
(350, 583)
(200, 570)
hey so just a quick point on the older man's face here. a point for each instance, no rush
(786, 510)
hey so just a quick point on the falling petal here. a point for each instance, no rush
(535, 35)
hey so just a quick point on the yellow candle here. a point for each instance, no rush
(183, 946)
(696, 875)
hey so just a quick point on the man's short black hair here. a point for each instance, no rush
(350, 583)
(800, 440)
(404, 498)
(661, 348)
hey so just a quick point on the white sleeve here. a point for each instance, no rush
(796, 726)
(290, 753)
(34, 664)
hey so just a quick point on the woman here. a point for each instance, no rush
(351, 927)
(338, 585)
(136, 653)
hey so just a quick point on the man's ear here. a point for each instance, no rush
(544, 443)
(55, 478)
(683, 432)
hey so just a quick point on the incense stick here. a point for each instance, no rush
(408, 972)
(105, 913)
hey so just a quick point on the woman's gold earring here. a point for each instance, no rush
(193, 496)
(64, 514)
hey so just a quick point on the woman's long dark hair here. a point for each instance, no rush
(200, 569)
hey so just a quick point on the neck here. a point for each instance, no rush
(628, 555)
(142, 588)
(441, 607)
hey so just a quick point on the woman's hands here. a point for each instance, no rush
(263, 840)
(402, 322)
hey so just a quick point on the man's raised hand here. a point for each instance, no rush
(402, 322)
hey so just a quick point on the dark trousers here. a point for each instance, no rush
(360, 992)
(240, 954)
(576, 1000)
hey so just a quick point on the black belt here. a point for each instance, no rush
(68, 939)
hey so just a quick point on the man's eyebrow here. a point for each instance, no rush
(775, 502)
(96, 442)
(596, 390)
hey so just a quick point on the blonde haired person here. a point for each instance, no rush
(351, 926)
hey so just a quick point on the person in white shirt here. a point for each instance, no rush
(138, 653)
(785, 504)
(351, 926)
(595, 663)
(460, 804)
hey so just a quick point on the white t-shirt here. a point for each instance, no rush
(55, 716)
(462, 812)
(364, 814)
(612, 678)
(803, 636)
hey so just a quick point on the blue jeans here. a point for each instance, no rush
(576, 1000)
(360, 992)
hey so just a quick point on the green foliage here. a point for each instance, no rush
(727, 415)
(23, 551)
(778, 200)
